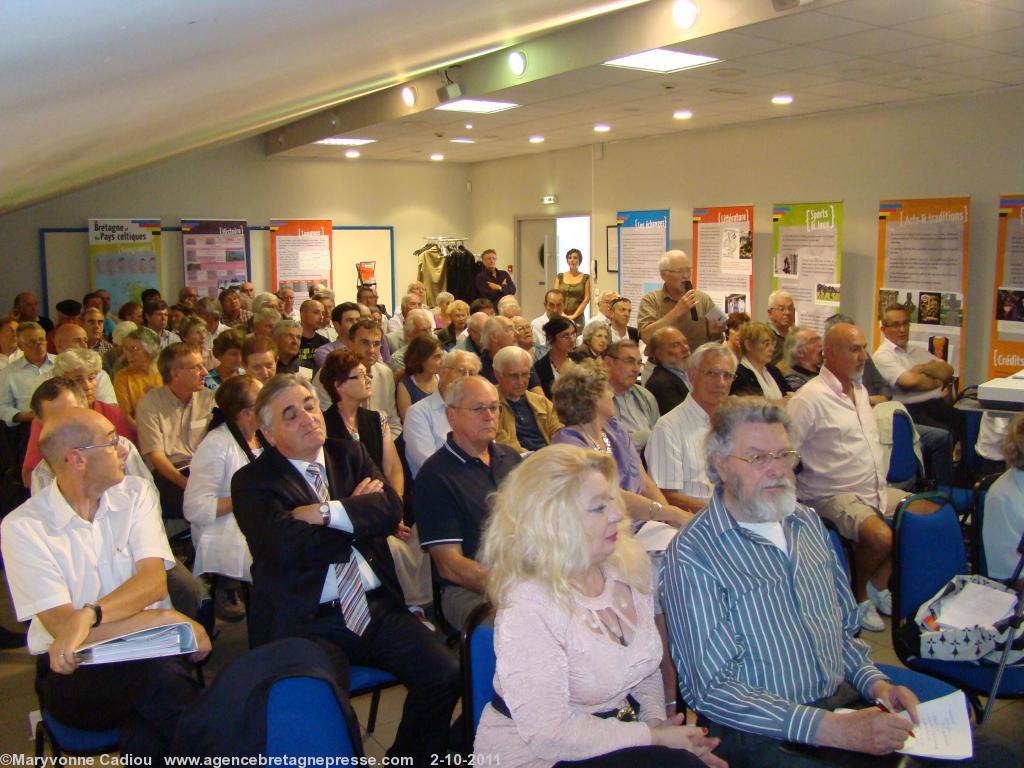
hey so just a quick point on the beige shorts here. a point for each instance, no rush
(847, 512)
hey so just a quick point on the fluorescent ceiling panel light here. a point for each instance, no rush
(536, 139)
(462, 141)
(335, 141)
(782, 99)
(476, 106)
(661, 60)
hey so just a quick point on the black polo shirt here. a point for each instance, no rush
(450, 494)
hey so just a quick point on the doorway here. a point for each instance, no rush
(540, 255)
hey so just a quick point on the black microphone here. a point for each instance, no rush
(693, 310)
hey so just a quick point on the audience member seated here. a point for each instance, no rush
(85, 561)
(209, 311)
(801, 356)
(422, 361)
(762, 624)
(989, 445)
(733, 323)
(458, 315)
(130, 311)
(68, 313)
(188, 296)
(843, 475)
(443, 299)
(426, 423)
(524, 335)
(578, 680)
(259, 358)
(472, 341)
(71, 336)
(527, 420)
(176, 315)
(419, 322)
(675, 453)
(264, 320)
(316, 514)
(286, 303)
(139, 374)
(618, 324)
(311, 319)
(396, 323)
(635, 407)
(486, 306)
(288, 338)
(756, 374)
(343, 316)
(26, 310)
(19, 380)
(781, 317)
(114, 358)
(8, 340)
(594, 343)
(508, 306)
(365, 340)
(94, 321)
(452, 491)
(172, 420)
(192, 330)
(155, 315)
(327, 330)
(227, 358)
(554, 306)
(229, 444)
(560, 333)
(233, 314)
(1003, 522)
(668, 380)
(604, 304)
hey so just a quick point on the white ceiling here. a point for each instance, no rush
(93, 89)
(829, 57)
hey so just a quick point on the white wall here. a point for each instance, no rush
(238, 181)
(955, 146)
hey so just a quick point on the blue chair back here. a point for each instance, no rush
(930, 552)
(924, 687)
(478, 666)
(903, 463)
(304, 719)
(65, 739)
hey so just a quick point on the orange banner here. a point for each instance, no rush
(723, 256)
(1007, 348)
(300, 253)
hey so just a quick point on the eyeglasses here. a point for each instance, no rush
(762, 460)
(723, 375)
(899, 324)
(465, 371)
(677, 271)
(194, 368)
(478, 410)
(625, 360)
(519, 375)
(113, 443)
(359, 376)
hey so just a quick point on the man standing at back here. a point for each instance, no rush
(679, 306)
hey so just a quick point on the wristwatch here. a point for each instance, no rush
(98, 611)
(325, 512)
(655, 508)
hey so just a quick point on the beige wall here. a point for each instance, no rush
(955, 146)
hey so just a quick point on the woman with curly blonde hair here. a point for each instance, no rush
(578, 679)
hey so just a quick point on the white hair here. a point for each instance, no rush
(508, 355)
(779, 294)
(409, 324)
(665, 262)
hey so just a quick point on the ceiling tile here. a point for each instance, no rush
(794, 58)
(886, 13)
(933, 55)
(728, 45)
(983, 66)
(977, 20)
(874, 41)
(1003, 41)
(802, 28)
(856, 69)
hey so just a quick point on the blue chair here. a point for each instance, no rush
(65, 740)
(924, 687)
(363, 680)
(903, 464)
(928, 551)
(305, 719)
(478, 664)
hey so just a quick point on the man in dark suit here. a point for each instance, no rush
(668, 380)
(316, 514)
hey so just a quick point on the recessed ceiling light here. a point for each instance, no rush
(536, 139)
(682, 114)
(684, 13)
(517, 63)
(462, 141)
(336, 141)
(477, 106)
(602, 128)
(352, 154)
(661, 60)
(409, 95)
(782, 98)
(469, 126)
(437, 157)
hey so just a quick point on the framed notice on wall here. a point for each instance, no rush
(215, 254)
(643, 240)
(807, 241)
(723, 256)
(300, 253)
(124, 257)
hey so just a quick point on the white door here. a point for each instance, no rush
(535, 264)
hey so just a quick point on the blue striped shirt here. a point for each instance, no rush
(756, 634)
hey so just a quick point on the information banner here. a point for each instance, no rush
(807, 240)
(300, 253)
(922, 266)
(214, 254)
(124, 257)
(1007, 348)
(723, 256)
(643, 240)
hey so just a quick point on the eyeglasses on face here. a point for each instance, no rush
(762, 460)
(478, 410)
(723, 375)
(112, 443)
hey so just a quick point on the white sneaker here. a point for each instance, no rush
(882, 599)
(869, 618)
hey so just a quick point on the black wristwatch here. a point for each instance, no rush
(98, 611)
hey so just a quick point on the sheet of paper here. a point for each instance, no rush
(656, 536)
(977, 606)
(944, 730)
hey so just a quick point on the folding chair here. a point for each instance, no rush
(903, 464)
(363, 680)
(478, 664)
(65, 740)
(305, 719)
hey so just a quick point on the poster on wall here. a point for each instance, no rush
(807, 244)
(922, 266)
(124, 257)
(723, 256)
(1006, 355)
(643, 240)
(300, 253)
(214, 253)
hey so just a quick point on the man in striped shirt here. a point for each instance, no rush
(760, 615)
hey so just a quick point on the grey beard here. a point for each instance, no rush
(762, 509)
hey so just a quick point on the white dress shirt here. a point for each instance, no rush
(54, 557)
(676, 456)
(220, 545)
(426, 429)
(769, 388)
(18, 381)
(893, 361)
(838, 442)
(5, 360)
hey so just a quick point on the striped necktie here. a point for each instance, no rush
(351, 596)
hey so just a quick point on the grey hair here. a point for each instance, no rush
(121, 331)
(508, 355)
(504, 301)
(794, 345)
(148, 339)
(715, 349)
(405, 300)
(72, 361)
(263, 300)
(457, 389)
(593, 327)
(272, 390)
(731, 414)
(779, 294)
(209, 306)
(267, 313)
(665, 261)
(491, 327)
(452, 357)
(409, 324)
(286, 325)
(442, 297)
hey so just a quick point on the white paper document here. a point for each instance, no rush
(655, 536)
(977, 606)
(168, 640)
(944, 730)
